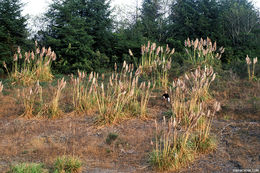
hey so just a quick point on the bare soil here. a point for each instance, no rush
(236, 127)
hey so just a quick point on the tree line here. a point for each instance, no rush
(85, 36)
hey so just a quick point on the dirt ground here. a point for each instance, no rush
(236, 127)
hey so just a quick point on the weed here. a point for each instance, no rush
(111, 137)
(67, 164)
(28, 168)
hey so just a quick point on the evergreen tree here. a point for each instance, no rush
(151, 18)
(194, 19)
(100, 24)
(13, 31)
(79, 32)
(240, 20)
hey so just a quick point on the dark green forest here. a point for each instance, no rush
(85, 36)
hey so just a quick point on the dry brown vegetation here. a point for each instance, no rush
(42, 140)
(119, 124)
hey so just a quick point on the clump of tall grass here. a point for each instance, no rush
(122, 95)
(83, 95)
(193, 113)
(32, 66)
(203, 52)
(145, 94)
(171, 147)
(114, 97)
(67, 164)
(54, 109)
(28, 168)
(177, 146)
(190, 94)
(251, 72)
(32, 100)
(155, 63)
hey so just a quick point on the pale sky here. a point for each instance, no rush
(36, 7)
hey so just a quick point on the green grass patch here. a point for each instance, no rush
(28, 168)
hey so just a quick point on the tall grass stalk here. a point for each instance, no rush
(122, 96)
(32, 100)
(155, 63)
(114, 97)
(1, 87)
(54, 105)
(83, 95)
(203, 52)
(193, 115)
(171, 147)
(31, 66)
(251, 73)
(190, 94)
(145, 94)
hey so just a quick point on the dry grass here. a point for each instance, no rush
(155, 63)
(44, 140)
(190, 96)
(193, 116)
(121, 96)
(251, 72)
(1, 87)
(177, 142)
(203, 52)
(83, 96)
(32, 100)
(54, 109)
(31, 67)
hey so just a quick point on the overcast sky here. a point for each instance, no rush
(36, 7)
